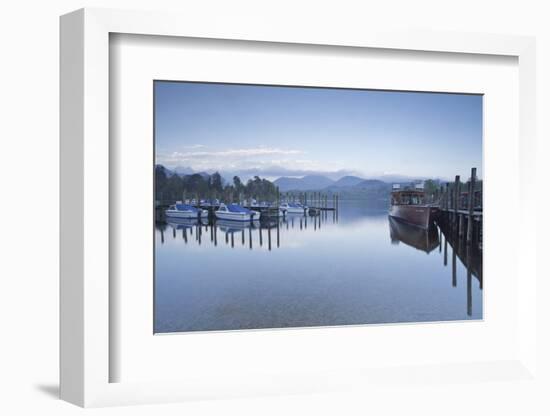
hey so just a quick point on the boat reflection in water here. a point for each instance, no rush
(420, 238)
(452, 248)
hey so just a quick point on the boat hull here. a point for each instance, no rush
(300, 211)
(181, 214)
(237, 216)
(418, 215)
(186, 214)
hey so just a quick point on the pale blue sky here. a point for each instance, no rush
(283, 131)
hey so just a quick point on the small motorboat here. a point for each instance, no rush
(293, 208)
(179, 210)
(235, 212)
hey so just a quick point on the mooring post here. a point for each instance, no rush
(456, 195)
(468, 282)
(447, 196)
(471, 206)
(278, 235)
(454, 267)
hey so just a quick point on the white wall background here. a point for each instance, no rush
(29, 205)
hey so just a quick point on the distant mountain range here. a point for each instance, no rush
(307, 183)
(181, 171)
(347, 184)
(347, 181)
(318, 183)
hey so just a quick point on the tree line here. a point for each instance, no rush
(175, 187)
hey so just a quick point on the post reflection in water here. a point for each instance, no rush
(341, 270)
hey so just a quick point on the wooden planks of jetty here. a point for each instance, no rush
(461, 210)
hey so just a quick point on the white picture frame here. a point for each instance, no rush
(85, 210)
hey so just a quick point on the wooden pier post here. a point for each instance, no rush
(456, 195)
(454, 267)
(471, 191)
(447, 197)
(468, 282)
(278, 235)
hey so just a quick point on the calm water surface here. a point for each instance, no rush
(355, 268)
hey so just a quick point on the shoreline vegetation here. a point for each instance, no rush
(170, 186)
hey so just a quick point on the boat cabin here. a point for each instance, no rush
(407, 197)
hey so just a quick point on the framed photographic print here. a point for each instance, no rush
(266, 212)
(282, 206)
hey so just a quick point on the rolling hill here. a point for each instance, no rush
(307, 183)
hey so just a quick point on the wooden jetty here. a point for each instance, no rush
(313, 200)
(462, 210)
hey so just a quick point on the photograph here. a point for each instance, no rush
(295, 206)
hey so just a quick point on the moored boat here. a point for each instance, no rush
(179, 210)
(293, 208)
(409, 206)
(236, 212)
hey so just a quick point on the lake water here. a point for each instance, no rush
(357, 267)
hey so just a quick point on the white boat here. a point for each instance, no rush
(235, 212)
(293, 208)
(179, 210)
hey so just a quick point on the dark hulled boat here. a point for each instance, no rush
(409, 206)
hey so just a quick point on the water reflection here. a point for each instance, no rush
(250, 234)
(335, 268)
(416, 237)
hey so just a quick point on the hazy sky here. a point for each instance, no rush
(283, 131)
